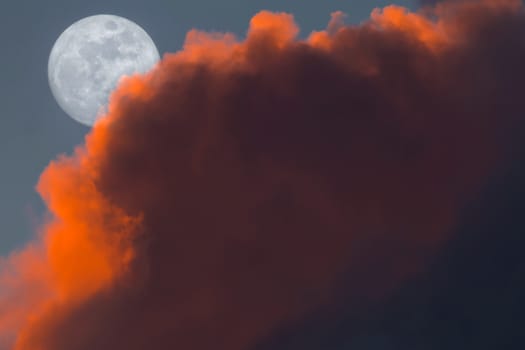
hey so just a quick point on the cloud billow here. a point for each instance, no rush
(234, 188)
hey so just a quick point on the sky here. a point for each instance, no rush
(359, 187)
(33, 133)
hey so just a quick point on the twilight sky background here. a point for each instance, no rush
(395, 223)
(34, 130)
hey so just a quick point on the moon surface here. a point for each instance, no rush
(89, 58)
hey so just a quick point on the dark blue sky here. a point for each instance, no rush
(34, 130)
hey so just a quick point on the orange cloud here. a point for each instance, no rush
(238, 185)
(84, 248)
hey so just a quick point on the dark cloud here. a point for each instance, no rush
(470, 298)
(244, 184)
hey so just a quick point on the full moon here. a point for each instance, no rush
(89, 58)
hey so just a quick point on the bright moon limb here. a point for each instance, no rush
(89, 58)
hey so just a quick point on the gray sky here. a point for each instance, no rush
(34, 130)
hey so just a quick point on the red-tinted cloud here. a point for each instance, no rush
(236, 186)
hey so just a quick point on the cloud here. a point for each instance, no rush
(238, 185)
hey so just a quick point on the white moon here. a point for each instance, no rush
(89, 58)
